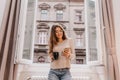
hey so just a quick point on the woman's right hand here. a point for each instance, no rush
(51, 56)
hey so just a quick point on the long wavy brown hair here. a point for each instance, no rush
(53, 39)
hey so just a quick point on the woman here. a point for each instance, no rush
(60, 67)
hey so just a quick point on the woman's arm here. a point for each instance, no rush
(69, 52)
(72, 55)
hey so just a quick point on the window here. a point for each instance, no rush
(79, 16)
(42, 37)
(59, 15)
(80, 39)
(26, 28)
(44, 14)
(44, 10)
(79, 61)
(25, 42)
(41, 59)
(59, 11)
(93, 38)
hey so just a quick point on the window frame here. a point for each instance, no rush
(21, 29)
(21, 33)
(98, 31)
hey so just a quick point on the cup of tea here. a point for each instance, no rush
(55, 55)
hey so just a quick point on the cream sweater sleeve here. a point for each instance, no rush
(71, 42)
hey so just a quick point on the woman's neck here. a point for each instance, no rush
(60, 40)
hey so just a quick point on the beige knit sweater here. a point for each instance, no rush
(62, 61)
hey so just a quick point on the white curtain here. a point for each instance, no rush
(8, 31)
(107, 12)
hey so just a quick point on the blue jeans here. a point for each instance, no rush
(56, 74)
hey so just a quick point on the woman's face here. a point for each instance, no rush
(59, 32)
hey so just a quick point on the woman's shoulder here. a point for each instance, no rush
(69, 39)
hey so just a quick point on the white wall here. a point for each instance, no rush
(116, 12)
(2, 7)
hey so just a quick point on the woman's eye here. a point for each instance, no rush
(58, 31)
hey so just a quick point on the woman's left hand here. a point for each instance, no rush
(66, 52)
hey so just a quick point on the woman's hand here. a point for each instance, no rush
(66, 52)
(51, 56)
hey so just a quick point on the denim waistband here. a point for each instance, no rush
(61, 69)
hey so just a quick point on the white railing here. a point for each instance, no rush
(78, 72)
(45, 78)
